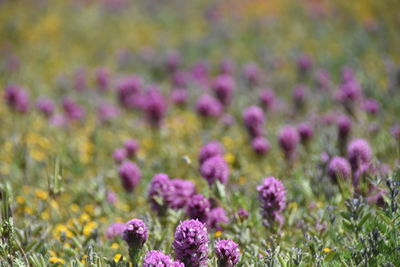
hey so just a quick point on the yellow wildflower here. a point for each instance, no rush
(114, 246)
(292, 206)
(45, 215)
(20, 200)
(218, 234)
(326, 250)
(74, 207)
(117, 257)
(230, 158)
(89, 227)
(41, 194)
(61, 229)
(84, 218)
(56, 260)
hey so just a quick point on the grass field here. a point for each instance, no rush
(273, 125)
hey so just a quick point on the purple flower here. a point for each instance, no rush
(267, 99)
(227, 120)
(72, 110)
(272, 197)
(17, 98)
(299, 95)
(252, 73)
(183, 191)
(155, 107)
(339, 167)
(135, 233)
(208, 106)
(102, 77)
(242, 214)
(80, 79)
(199, 72)
(119, 155)
(155, 258)
(198, 208)
(260, 145)
(215, 168)
(359, 153)
(395, 131)
(306, 132)
(223, 87)
(180, 78)
(58, 120)
(131, 147)
(45, 106)
(128, 90)
(129, 174)
(304, 62)
(179, 96)
(173, 61)
(210, 150)
(191, 243)
(111, 197)
(349, 92)
(106, 112)
(227, 66)
(322, 78)
(347, 75)
(114, 230)
(228, 253)
(160, 192)
(253, 118)
(371, 106)
(216, 217)
(288, 140)
(344, 127)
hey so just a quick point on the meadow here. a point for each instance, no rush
(199, 133)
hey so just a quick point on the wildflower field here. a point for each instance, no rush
(199, 133)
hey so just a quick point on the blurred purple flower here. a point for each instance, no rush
(260, 145)
(252, 73)
(339, 168)
(208, 106)
(216, 218)
(359, 153)
(106, 112)
(114, 230)
(130, 175)
(131, 147)
(223, 87)
(267, 99)
(253, 118)
(45, 106)
(155, 107)
(215, 168)
(72, 110)
(306, 132)
(199, 208)
(119, 155)
(288, 141)
(102, 78)
(179, 96)
(16, 98)
(210, 150)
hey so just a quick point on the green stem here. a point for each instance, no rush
(134, 254)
